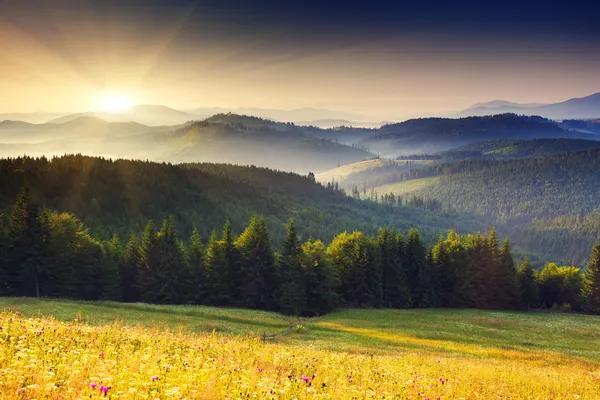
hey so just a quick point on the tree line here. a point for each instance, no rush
(51, 254)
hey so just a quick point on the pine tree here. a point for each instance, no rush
(257, 267)
(415, 266)
(292, 296)
(215, 267)
(130, 270)
(173, 273)
(506, 279)
(322, 280)
(25, 255)
(195, 257)
(231, 277)
(591, 288)
(149, 281)
(111, 267)
(401, 298)
(528, 286)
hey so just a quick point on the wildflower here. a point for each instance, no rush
(154, 378)
(93, 385)
(306, 378)
(102, 354)
(442, 380)
(104, 389)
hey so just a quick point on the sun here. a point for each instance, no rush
(113, 102)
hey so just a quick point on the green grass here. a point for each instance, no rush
(339, 173)
(407, 187)
(470, 333)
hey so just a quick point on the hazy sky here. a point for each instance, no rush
(382, 58)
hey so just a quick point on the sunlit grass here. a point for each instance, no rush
(412, 354)
(407, 187)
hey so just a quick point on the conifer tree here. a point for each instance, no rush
(322, 280)
(217, 273)
(26, 252)
(292, 296)
(506, 279)
(591, 288)
(231, 277)
(195, 257)
(173, 272)
(402, 297)
(257, 267)
(149, 280)
(130, 270)
(415, 266)
(111, 265)
(528, 286)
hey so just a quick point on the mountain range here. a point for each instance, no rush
(577, 108)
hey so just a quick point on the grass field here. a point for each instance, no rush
(339, 173)
(61, 349)
(406, 187)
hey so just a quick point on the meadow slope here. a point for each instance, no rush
(59, 349)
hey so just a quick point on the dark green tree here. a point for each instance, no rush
(112, 265)
(174, 277)
(149, 280)
(591, 288)
(414, 261)
(195, 256)
(257, 266)
(292, 295)
(25, 256)
(528, 286)
(131, 269)
(322, 280)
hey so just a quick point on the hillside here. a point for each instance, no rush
(516, 148)
(121, 196)
(228, 138)
(430, 135)
(584, 107)
(409, 353)
(222, 138)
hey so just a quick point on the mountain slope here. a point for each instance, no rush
(517, 148)
(120, 196)
(230, 138)
(429, 135)
(145, 114)
(584, 107)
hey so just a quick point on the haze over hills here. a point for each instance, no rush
(576, 108)
(430, 135)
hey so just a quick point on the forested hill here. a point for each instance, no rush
(243, 140)
(516, 148)
(430, 135)
(121, 196)
(222, 138)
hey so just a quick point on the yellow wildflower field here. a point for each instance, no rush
(44, 358)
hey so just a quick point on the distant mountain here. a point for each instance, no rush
(244, 140)
(83, 126)
(334, 123)
(430, 135)
(32, 118)
(576, 108)
(517, 148)
(148, 114)
(222, 138)
(297, 116)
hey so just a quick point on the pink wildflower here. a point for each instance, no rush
(306, 378)
(154, 378)
(93, 385)
(104, 389)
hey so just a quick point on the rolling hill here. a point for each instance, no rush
(584, 107)
(121, 196)
(430, 135)
(517, 148)
(223, 138)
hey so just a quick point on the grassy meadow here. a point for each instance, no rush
(341, 172)
(71, 350)
(406, 187)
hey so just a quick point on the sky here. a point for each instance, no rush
(382, 59)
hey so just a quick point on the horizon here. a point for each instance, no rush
(383, 60)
